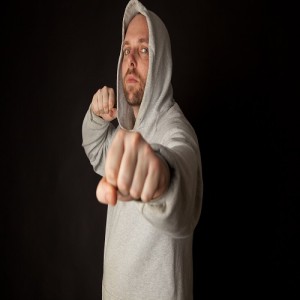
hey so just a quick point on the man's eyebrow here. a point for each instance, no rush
(141, 40)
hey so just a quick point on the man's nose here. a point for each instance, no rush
(132, 60)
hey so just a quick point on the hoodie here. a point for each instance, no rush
(148, 246)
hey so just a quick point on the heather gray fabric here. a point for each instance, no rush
(148, 246)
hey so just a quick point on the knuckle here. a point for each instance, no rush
(99, 93)
(147, 150)
(135, 138)
(123, 184)
(135, 193)
(155, 164)
(145, 197)
(111, 176)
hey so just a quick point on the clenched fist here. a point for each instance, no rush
(103, 104)
(133, 170)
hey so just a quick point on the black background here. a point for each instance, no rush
(232, 78)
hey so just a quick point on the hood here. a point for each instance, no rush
(158, 93)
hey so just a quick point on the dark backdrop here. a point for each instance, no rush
(232, 63)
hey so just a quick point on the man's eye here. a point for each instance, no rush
(126, 51)
(145, 50)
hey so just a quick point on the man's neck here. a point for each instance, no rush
(136, 111)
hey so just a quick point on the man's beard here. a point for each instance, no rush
(133, 95)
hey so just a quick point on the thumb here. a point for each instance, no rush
(106, 193)
(113, 113)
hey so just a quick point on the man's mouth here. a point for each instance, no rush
(131, 79)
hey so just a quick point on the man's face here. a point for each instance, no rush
(135, 60)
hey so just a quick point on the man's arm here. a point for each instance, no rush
(97, 130)
(166, 178)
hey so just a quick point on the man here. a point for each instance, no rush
(150, 167)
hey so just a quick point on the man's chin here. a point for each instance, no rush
(134, 96)
(133, 102)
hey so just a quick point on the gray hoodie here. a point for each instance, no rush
(148, 246)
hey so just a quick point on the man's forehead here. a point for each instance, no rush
(139, 40)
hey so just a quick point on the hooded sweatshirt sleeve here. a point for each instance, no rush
(177, 211)
(96, 138)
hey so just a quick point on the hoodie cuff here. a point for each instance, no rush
(96, 119)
